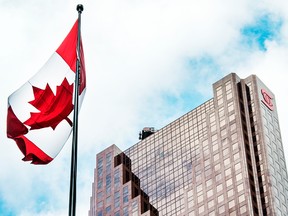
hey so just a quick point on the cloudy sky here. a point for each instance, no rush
(148, 62)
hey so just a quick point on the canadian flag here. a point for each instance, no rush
(40, 113)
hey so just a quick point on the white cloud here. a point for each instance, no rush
(136, 53)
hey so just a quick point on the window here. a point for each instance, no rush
(201, 209)
(135, 206)
(99, 195)
(236, 156)
(99, 167)
(237, 167)
(240, 188)
(221, 112)
(233, 125)
(220, 101)
(216, 157)
(207, 162)
(227, 162)
(191, 213)
(231, 192)
(212, 117)
(222, 123)
(242, 210)
(108, 183)
(231, 204)
(220, 198)
(239, 177)
(117, 199)
(125, 194)
(200, 198)
(234, 136)
(229, 94)
(117, 178)
(228, 172)
(241, 198)
(99, 183)
(235, 146)
(212, 213)
(229, 182)
(228, 85)
(211, 204)
(210, 193)
(226, 151)
(109, 157)
(230, 106)
(214, 138)
(218, 177)
(219, 188)
(221, 209)
(108, 209)
(199, 188)
(125, 211)
(208, 183)
(219, 91)
(223, 132)
(100, 204)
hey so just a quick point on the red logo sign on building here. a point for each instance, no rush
(267, 99)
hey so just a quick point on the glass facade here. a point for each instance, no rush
(118, 191)
(224, 157)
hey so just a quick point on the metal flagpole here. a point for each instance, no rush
(73, 174)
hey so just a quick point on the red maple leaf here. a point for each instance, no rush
(53, 109)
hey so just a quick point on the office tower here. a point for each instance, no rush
(225, 157)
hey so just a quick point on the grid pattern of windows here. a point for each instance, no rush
(277, 166)
(170, 157)
(120, 192)
(196, 162)
(272, 179)
(211, 161)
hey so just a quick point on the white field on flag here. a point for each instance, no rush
(40, 113)
(49, 140)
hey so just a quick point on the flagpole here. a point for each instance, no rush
(73, 174)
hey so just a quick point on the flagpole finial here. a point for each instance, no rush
(80, 8)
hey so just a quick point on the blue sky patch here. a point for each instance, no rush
(205, 69)
(201, 69)
(4, 210)
(186, 100)
(266, 27)
(204, 60)
(42, 203)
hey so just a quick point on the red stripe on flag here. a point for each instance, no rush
(16, 130)
(32, 152)
(15, 127)
(67, 49)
